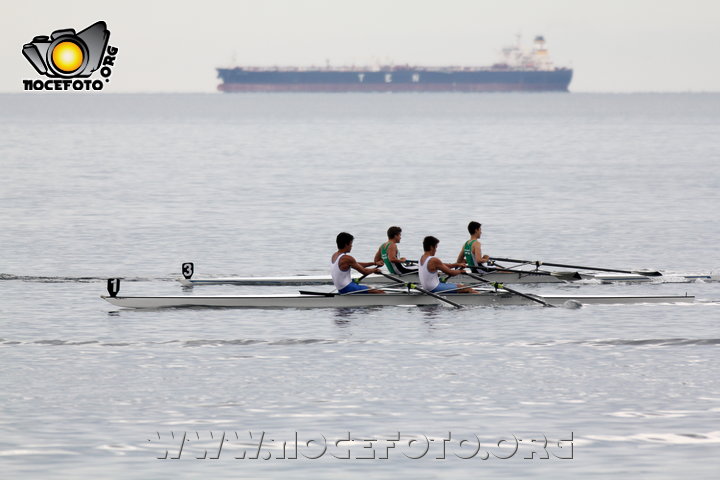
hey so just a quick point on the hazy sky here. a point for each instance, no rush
(174, 46)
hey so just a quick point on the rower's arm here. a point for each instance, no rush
(392, 254)
(350, 262)
(477, 251)
(367, 264)
(446, 268)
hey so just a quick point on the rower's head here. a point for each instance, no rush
(430, 244)
(394, 234)
(344, 241)
(474, 227)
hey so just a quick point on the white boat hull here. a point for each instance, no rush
(500, 277)
(509, 278)
(490, 298)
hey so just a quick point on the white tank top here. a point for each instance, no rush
(340, 279)
(428, 280)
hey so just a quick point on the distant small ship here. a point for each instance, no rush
(520, 71)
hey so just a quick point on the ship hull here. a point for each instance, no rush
(342, 88)
(409, 80)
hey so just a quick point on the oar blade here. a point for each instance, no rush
(321, 294)
(567, 276)
(648, 273)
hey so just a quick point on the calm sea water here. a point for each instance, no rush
(134, 185)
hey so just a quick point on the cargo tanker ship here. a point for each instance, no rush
(520, 70)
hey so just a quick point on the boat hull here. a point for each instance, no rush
(489, 298)
(376, 88)
(396, 79)
(509, 278)
(499, 277)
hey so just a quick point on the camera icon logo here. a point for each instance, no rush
(67, 54)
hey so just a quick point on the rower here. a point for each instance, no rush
(342, 263)
(430, 265)
(471, 252)
(387, 254)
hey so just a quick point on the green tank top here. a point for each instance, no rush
(467, 249)
(386, 258)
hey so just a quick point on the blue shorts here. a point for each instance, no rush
(445, 286)
(353, 287)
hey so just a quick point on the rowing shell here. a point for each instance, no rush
(500, 277)
(488, 298)
(514, 277)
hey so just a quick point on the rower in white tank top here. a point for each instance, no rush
(428, 280)
(340, 278)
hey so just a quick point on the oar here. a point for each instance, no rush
(647, 273)
(534, 299)
(566, 276)
(336, 294)
(470, 285)
(421, 290)
(399, 274)
(322, 294)
(362, 278)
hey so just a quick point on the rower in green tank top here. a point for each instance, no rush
(471, 252)
(387, 254)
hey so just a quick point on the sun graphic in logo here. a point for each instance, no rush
(67, 56)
